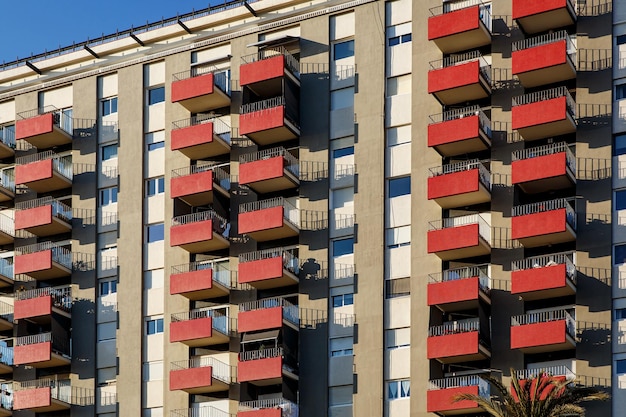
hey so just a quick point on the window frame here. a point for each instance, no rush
(155, 226)
(158, 99)
(108, 106)
(104, 156)
(159, 186)
(349, 53)
(109, 196)
(158, 325)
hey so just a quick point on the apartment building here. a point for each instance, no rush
(324, 208)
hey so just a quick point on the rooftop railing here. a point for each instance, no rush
(285, 405)
(62, 165)
(61, 296)
(549, 149)
(291, 213)
(546, 316)
(219, 370)
(60, 254)
(289, 256)
(7, 136)
(566, 258)
(220, 268)
(7, 178)
(560, 370)
(449, 7)
(465, 272)
(544, 95)
(291, 162)
(455, 327)
(220, 128)
(290, 311)
(220, 175)
(483, 173)
(290, 61)
(548, 38)
(551, 205)
(464, 58)
(254, 355)
(60, 210)
(484, 228)
(219, 317)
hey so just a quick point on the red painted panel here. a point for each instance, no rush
(192, 136)
(31, 262)
(261, 120)
(262, 70)
(263, 169)
(32, 398)
(442, 399)
(260, 270)
(264, 412)
(191, 281)
(192, 184)
(537, 224)
(540, 112)
(192, 87)
(453, 184)
(264, 219)
(191, 329)
(539, 167)
(33, 307)
(538, 334)
(37, 216)
(191, 233)
(38, 125)
(263, 319)
(37, 352)
(536, 279)
(545, 391)
(34, 171)
(538, 57)
(452, 77)
(453, 291)
(452, 345)
(452, 238)
(453, 131)
(260, 369)
(524, 8)
(454, 22)
(191, 378)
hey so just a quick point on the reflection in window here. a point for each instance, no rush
(343, 50)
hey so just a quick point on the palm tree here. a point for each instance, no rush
(538, 396)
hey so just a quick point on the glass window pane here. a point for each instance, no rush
(399, 186)
(337, 301)
(156, 232)
(620, 366)
(620, 314)
(343, 49)
(338, 153)
(405, 388)
(621, 39)
(406, 38)
(157, 145)
(620, 200)
(620, 92)
(394, 41)
(619, 145)
(392, 390)
(620, 255)
(159, 326)
(109, 152)
(343, 247)
(348, 299)
(156, 95)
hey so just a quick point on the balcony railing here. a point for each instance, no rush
(254, 355)
(219, 222)
(62, 165)
(262, 105)
(547, 39)
(60, 254)
(200, 412)
(465, 272)
(219, 318)
(7, 136)
(546, 316)
(290, 61)
(484, 229)
(6, 311)
(459, 59)
(560, 370)
(61, 118)
(61, 296)
(454, 114)
(6, 267)
(292, 164)
(458, 381)
(221, 78)
(544, 95)
(289, 408)
(60, 389)
(290, 311)
(545, 206)
(220, 128)
(221, 272)
(60, 210)
(543, 261)
(291, 213)
(448, 7)
(7, 225)
(219, 370)
(220, 175)
(289, 256)
(550, 149)
(455, 327)
(483, 172)
(7, 178)
(59, 345)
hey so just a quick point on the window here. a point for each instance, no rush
(154, 146)
(338, 153)
(341, 99)
(108, 152)
(620, 91)
(620, 200)
(399, 187)
(108, 287)
(398, 338)
(108, 196)
(619, 145)
(153, 371)
(620, 255)
(343, 300)
(620, 366)
(398, 389)
(341, 346)
(155, 232)
(398, 135)
(621, 39)
(154, 326)
(109, 106)
(156, 95)
(398, 287)
(397, 40)
(343, 50)
(398, 85)
(620, 314)
(155, 140)
(155, 186)
(343, 247)
(398, 237)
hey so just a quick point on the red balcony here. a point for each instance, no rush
(269, 268)
(41, 351)
(459, 27)
(269, 170)
(544, 114)
(200, 137)
(44, 131)
(460, 237)
(457, 341)
(197, 185)
(43, 261)
(201, 280)
(38, 304)
(543, 331)
(200, 232)
(263, 71)
(201, 375)
(540, 16)
(269, 121)
(266, 314)
(272, 407)
(43, 217)
(441, 393)
(7, 141)
(459, 288)
(458, 132)
(44, 172)
(7, 184)
(44, 395)
(460, 184)
(201, 89)
(544, 277)
(263, 367)
(544, 168)
(460, 78)
(543, 60)
(269, 219)
(201, 327)
(543, 224)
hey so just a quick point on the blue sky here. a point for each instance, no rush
(38, 25)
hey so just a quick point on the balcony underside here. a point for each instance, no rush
(204, 198)
(6, 194)
(215, 100)
(57, 271)
(464, 93)
(6, 281)
(285, 182)
(465, 146)
(5, 324)
(54, 361)
(569, 235)
(215, 386)
(546, 130)
(482, 248)
(56, 182)
(463, 41)
(6, 152)
(6, 238)
(57, 137)
(542, 22)
(567, 345)
(286, 230)
(483, 195)
(548, 293)
(214, 338)
(559, 182)
(483, 353)
(214, 147)
(463, 305)
(216, 242)
(285, 280)
(277, 134)
(5, 369)
(56, 227)
(548, 75)
(55, 405)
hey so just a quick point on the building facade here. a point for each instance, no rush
(324, 208)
